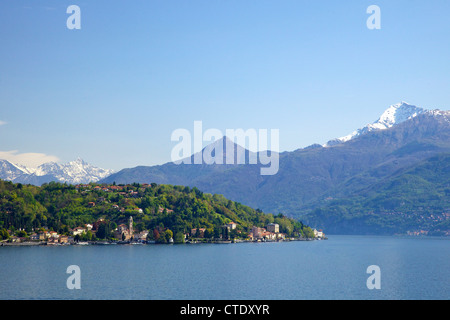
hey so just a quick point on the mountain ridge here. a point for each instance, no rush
(393, 115)
(403, 136)
(73, 172)
(308, 176)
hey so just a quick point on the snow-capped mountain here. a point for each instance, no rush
(73, 172)
(10, 171)
(392, 116)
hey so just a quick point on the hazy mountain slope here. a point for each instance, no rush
(413, 199)
(382, 153)
(308, 175)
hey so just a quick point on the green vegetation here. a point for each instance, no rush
(166, 211)
(414, 200)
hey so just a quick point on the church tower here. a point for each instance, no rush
(131, 227)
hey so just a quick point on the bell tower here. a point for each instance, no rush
(131, 227)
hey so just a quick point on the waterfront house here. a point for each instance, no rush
(141, 235)
(318, 234)
(281, 236)
(268, 235)
(63, 239)
(34, 237)
(257, 232)
(198, 234)
(53, 234)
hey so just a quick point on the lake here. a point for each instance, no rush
(410, 268)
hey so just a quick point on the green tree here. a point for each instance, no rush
(4, 234)
(308, 232)
(168, 234)
(22, 233)
(209, 233)
(102, 232)
(179, 237)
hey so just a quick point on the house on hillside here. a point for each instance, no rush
(78, 231)
(232, 225)
(198, 232)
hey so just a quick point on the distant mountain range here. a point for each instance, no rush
(390, 176)
(73, 172)
(308, 178)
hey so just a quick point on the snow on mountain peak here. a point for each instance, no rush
(395, 114)
(73, 172)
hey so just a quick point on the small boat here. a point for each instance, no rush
(83, 243)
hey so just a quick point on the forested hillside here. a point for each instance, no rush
(414, 200)
(62, 207)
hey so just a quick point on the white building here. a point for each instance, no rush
(231, 225)
(318, 234)
(78, 230)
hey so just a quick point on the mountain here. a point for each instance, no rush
(392, 116)
(10, 171)
(415, 199)
(73, 172)
(402, 137)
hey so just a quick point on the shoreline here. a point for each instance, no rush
(103, 243)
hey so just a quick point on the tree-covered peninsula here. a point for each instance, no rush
(165, 212)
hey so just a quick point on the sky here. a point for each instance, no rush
(115, 90)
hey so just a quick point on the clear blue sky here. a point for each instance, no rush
(114, 91)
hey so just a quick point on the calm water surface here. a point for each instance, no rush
(332, 269)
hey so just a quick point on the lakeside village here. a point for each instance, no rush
(122, 202)
(129, 236)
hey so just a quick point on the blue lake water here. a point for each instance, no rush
(332, 269)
